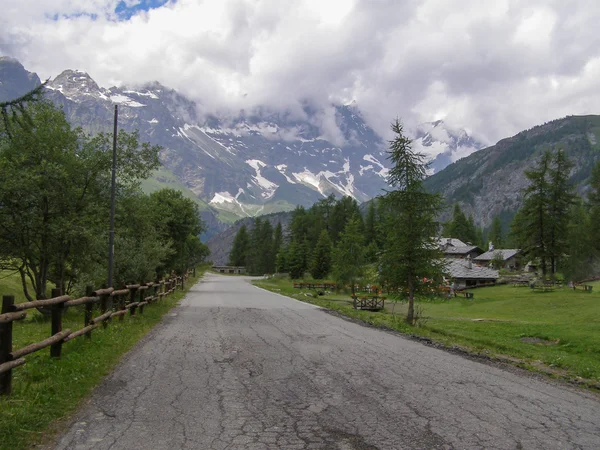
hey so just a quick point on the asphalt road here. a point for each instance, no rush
(238, 367)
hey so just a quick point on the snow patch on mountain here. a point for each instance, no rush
(268, 186)
(126, 101)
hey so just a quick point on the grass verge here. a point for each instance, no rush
(46, 391)
(556, 333)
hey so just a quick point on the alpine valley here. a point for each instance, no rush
(245, 163)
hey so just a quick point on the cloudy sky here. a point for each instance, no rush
(494, 67)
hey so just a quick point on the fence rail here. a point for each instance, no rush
(111, 303)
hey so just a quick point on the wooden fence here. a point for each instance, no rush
(112, 303)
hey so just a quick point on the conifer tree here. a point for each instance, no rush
(297, 258)
(411, 252)
(530, 225)
(349, 254)
(496, 235)
(371, 224)
(321, 261)
(241, 245)
(560, 203)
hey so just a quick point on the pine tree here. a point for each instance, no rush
(277, 240)
(560, 203)
(349, 254)
(241, 245)
(530, 225)
(411, 252)
(460, 227)
(321, 261)
(594, 206)
(297, 259)
(581, 257)
(371, 224)
(496, 235)
(281, 261)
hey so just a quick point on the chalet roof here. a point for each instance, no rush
(506, 254)
(462, 250)
(459, 268)
(451, 242)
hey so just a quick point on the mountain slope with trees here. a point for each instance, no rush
(490, 182)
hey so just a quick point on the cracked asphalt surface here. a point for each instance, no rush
(238, 367)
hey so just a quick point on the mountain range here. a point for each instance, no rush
(241, 163)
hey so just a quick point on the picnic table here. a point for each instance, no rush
(373, 303)
(464, 294)
(544, 286)
(584, 287)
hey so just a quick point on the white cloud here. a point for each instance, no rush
(492, 67)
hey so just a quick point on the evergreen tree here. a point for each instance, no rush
(241, 246)
(460, 227)
(411, 252)
(349, 254)
(344, 210)
(560, 202)
(581, 257)
(371, 224)
(594, 206)
(496, 235)
(281, 262)
(267, 257)
(321, 261)
(530, 225)
(297, 259)
(277, 239)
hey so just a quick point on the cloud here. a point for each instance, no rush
(491, 67)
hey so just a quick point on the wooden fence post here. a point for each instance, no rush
(121, 303)
(133, 293)
(89, 309)
(6, 344)
(141, 299)
(104, 306)
(57, 312)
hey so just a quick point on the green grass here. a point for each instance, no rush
(566, 324)
(46, 391)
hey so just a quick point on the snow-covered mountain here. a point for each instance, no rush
(249, 162)
(444, 144)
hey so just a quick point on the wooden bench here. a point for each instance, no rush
(464, 294)
(374, 303)
(546, 287)
(518, 283)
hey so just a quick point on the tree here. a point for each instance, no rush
(581, 259)
(15, 113)
(321, 263)
(540, 226)
(277, 240)
(54, 194)
(241, 245)
(460, 227)
(560, 203)
(179, 219)
(349, 254)
(297, 259)
(594, 205)
(496, 235)
(410, 253)
(371, 224)
(530, 225)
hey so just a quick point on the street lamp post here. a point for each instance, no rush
(113, 191)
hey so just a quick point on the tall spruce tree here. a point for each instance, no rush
(530, 225)
(321, 261)
(411, 252)
(496, 235)
(371, 223)
(241, 246)
(594, 206)
(349, 254)
(560, 203)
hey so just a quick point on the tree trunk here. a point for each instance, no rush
(411, 302)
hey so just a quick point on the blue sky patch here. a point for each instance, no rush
(125, 12)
